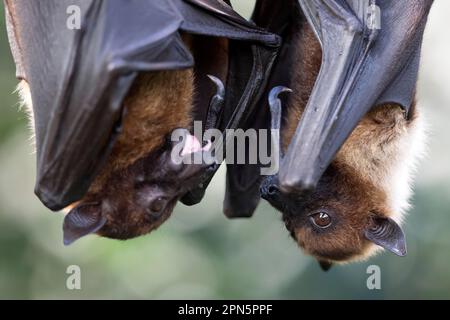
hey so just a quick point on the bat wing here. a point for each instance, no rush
(242, 190)
(79, 78)
(243, 180)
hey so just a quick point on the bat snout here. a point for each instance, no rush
(269, 189)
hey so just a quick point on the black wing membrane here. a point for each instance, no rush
(363, 64)
(79, 78)
(243, 180)
(249, 71)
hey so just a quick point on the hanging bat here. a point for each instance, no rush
(352, 131)
(105, 97)
(135, 200)
(361, 197)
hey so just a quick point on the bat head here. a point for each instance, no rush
(149, 170)
(138, 199)
(357, 201)
(340, 220)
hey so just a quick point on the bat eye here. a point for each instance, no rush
(157, 206)
(321, 219)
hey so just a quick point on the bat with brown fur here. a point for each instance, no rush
(135, 193)
(351, 129)
(106, 97)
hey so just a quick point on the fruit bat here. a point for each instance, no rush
(105, 97)
(137, 199)
(351, 126)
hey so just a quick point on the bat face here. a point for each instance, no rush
(330, 223)
(142, 180)
(135, 200)
(139, 185)
(360, 196)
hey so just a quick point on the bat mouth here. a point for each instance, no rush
(149, 190)
(193, 145)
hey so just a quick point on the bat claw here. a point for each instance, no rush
(275, 105)
(219, 84)
(274, 93)
(215, 104)
(276, 113)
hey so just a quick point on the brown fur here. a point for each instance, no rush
(125, 199)
(350, 202)
(354, 189)
(158, 103)
(307, 61)
(140, 175)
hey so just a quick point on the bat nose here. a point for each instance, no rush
(269, 191)
(272, 190)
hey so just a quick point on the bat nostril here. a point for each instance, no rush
(269, 190)
(272, 190)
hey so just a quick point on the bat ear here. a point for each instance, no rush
(82, 220)
(325, 265)
(386, 233)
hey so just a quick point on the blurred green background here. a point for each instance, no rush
(198, 253)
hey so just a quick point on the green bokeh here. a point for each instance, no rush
(198, 253)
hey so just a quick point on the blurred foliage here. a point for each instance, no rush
(198, 253)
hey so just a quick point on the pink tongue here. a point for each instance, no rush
(193, 145)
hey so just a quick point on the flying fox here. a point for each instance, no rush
(105, 98)
(140, 184)
(135, 193)
(351, 129)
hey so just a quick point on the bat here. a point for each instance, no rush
(96, 122)
(135, 200)
(361, 198)
(351, 126)
(94, 68)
